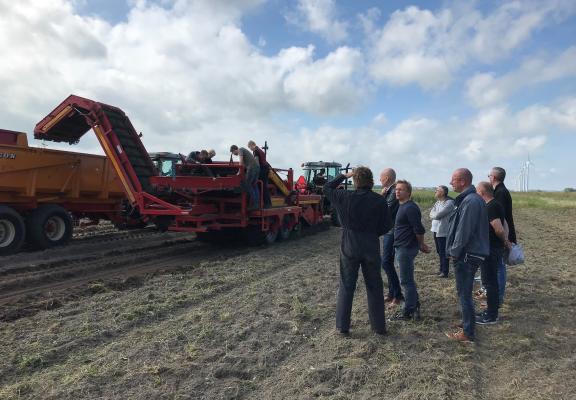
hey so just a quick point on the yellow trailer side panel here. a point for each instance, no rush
(48, 175)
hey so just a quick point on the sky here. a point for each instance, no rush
(424, 87)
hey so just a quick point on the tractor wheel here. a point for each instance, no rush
(335, 218)
(12, 231)
(49, 226)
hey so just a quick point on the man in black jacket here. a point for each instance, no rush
(364, 217)
(502, 196)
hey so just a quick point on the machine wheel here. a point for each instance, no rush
(12, 231)
(335, 218)
(49, 226)
(256, 237)
(284, 231)
(297, 230)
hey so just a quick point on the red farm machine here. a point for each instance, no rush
(185, 196)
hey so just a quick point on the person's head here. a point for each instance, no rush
(485, 190)
(203, 155)
(403, 190)
(461, 179)
(211, 153)
(251, 145)
(497, 175)
(387, 177)
(362, 178)
(234, 149)
(441, 192)
(321, 172)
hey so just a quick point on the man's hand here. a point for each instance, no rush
(424, 248)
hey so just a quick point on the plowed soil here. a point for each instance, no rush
(141, 314)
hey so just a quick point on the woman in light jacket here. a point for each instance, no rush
(440, 215)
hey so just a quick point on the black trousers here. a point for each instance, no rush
(374, 290)
(263, 176)
(489, 275)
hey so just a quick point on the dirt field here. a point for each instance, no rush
(148, 315)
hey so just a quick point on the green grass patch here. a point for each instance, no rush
(548, 200)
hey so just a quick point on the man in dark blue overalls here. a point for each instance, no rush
(364, 217)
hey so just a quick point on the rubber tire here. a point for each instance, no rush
(11, 219)
(255, 237)
(36, 224)
(284, 232)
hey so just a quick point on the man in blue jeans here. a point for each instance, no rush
(408, 240)
(394, 297)
(467, 246)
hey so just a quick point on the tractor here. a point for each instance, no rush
(316, 174)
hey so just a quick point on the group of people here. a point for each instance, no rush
(257, 168)
(471, 231)
(201, 157)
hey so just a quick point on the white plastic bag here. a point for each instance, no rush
(515, 255)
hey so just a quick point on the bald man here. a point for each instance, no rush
(394, 297)
(467, 246)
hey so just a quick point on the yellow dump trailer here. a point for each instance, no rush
(42, 190)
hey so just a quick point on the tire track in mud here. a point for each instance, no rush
(33, 285)
(231, 288)
(90, 244)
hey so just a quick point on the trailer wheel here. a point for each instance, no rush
(49, 226)
(12, 231)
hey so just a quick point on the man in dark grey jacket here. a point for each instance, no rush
(467, 246)
(394, 297)
(364, 217)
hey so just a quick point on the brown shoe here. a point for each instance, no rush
(459, 336)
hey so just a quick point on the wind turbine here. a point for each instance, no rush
(527, 165)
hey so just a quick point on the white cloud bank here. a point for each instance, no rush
(418, 46)
(189, 78)
(179, 66)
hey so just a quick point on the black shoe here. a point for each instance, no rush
(380, 332)
(486, 319)
(343, 333)
(406, 316)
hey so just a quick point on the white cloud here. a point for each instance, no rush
(328, 85)
(196, 69)
(319, 16)
(428, 48)
(485, 89)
